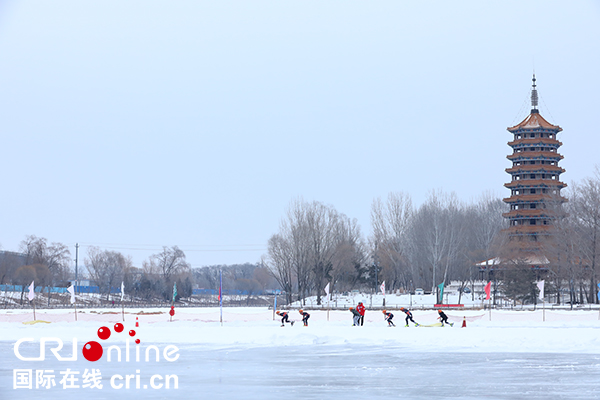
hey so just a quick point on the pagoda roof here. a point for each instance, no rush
(528, 198)
(535, 167)
(532, 155)
(535, 183)
(535, 141)
(534, 121)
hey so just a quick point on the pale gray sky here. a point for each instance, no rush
(135, 124)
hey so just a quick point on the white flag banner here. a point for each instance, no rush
(122, 290)
(31, 293)
(540, 286)
(382, 287)
(327, 289)
(71, 289)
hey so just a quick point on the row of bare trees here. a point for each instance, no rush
(48, 265)
(409, 247)
(440, 241)
(437, 242)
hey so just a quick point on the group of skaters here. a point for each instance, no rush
(286, 319)
(359, 312)
(358, 316)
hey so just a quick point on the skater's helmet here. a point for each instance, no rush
(300, 311)
(439, 311)
(383, 311)
(402, 308)
(351, 308)
(277, 312)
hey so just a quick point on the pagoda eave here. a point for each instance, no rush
(533, 198)
(528, 155)
(541, 168)
(535, 183)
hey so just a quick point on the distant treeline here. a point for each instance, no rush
(48, 266)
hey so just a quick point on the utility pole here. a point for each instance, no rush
(376, 266)
(76, 262)
(376, 278)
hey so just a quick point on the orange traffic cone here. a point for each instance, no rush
(464, 325)
(137, 324)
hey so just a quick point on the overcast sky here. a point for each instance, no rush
(130, 125)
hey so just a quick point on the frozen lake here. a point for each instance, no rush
(334, 371)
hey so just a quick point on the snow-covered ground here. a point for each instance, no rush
(508, 354)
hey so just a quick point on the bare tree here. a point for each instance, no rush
(310, 244)
(585, 206)
(435, 236)
(281, 264)
(9, 262)
(169, 262)
(349, 256)
(390, 222)
(56, 257)
(489, 223)
(107, 268)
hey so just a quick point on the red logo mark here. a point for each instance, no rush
(92, 350)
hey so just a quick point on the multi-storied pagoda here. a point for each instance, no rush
(535, 185)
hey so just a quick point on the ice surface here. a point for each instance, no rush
(515, 355)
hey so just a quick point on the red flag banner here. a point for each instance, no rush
(488, 289)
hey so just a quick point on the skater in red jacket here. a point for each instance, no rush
(408, 316)
(361, 310)
(388, 316)
(305, 317)
(284, 317)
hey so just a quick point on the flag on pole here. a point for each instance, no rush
(122, 290)
(31, 293)
(174, 291)
(221, 288)
(71, 289)
(327, 289)
(488, 289)
(540, 286)
(382, 288)
(441, 287)
(220, 296)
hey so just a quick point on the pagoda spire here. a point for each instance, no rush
(534, 97)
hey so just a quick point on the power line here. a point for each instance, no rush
(187, 248)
